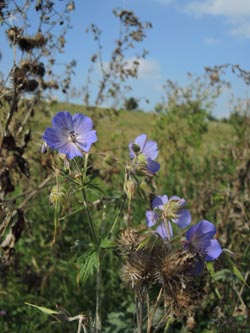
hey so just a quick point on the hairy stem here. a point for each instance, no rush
(98, 321)
(139, 311)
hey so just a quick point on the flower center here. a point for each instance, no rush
(136, 148)
(72, 136)
(171, 209)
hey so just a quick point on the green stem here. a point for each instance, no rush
(92, 231)
(98, 321)
(90, 222)
(139, 311)
(118, 215)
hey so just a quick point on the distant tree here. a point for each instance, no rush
(159, 108)
(131, 104)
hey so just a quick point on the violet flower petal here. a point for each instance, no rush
(70, 150)
(201, 233)
(213, 250)
(161, 229)
(63, 120)
(183, 218)
(152, 166)
(82, 124)
(141, 140)
(150, 150)
(151, 218)
(164, 232)
(85, 141)
(159, 201)
(55, 137)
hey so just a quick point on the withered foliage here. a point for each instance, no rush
(151, 264)
(120, 67)
(22, 91)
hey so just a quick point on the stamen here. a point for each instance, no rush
(72, 136)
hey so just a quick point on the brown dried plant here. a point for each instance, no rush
(30, 80)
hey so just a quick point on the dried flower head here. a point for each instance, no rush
(137, 270)
(130, 239)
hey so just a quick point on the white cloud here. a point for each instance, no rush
(236, 12)
(147, 70)
(229, 8)
(211, 41)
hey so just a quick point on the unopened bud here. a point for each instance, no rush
(56, 197)
(136, 148)
(145, 187)
(129, 188)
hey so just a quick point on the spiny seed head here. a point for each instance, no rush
(27, 43)
(130, 239)
(14, 33)
(137, 270)
(176, 262)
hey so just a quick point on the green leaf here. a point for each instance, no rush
(236, 271)
(43, 309)
(106, 243)
(210, 268)
(95, 186)
(90, 262)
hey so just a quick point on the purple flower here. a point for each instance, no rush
(200, 239)
(165, 211)
(144, 153)
(70, 135)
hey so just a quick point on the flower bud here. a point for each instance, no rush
(56, 197)
(129, 188)
(136, 148)
(145, 187)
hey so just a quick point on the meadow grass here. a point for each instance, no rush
(115, 129)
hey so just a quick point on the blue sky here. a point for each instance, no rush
(187, 35)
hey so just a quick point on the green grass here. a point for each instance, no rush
(117, 129)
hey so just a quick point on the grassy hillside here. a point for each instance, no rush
(116, 129)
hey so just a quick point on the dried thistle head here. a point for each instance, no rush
(143, 254)
(184, 300)
(176, 263)
(181, 289)
(32, 67)
(130, 239)
(14, 34)
(27, 43)
(137, 270)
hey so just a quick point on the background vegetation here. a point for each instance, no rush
(203, 159)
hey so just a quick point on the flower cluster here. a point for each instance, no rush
(74, 135)
(156, 261)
